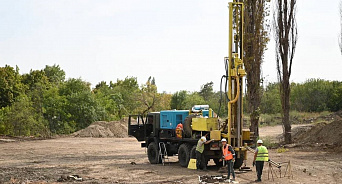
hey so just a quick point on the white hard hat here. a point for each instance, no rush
(224, 140)
(204, 139)
(259, 141)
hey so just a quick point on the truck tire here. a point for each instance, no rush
(184, 155)
(238, 162)
(153, 153)
(187, 126)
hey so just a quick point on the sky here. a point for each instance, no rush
(180, 43)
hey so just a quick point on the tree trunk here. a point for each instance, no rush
(286, 109)
(255, 42)
(286, 39)
(253, 97)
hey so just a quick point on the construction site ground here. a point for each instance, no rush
(122, 160)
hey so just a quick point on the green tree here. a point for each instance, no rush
(148, 97)
(193, 99)
(81, 104)
(313, 95)
(178, 100)
(55, 112)
(270, 101)
(10, 85)
(55, 74)
(214, 103)
(33, 78)
(3, 117)
(255, 43)
(207, 91)
(22, 120)
(334, 102)
(128, 90)
(110, 101)
(37, 84)
(164, 102)
(286, 35)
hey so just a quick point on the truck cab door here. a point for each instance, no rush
(136, 127)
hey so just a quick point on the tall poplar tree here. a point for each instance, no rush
(255, 42)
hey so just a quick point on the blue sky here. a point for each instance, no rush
(180, 43)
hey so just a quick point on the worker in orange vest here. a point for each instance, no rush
(228, 154)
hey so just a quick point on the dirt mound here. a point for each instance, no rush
(104, 129)
(327, 134)
(337, 115)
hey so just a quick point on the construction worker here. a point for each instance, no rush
(260, 156)
(228, 154)
(200, 160)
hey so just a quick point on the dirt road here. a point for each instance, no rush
(108, 160)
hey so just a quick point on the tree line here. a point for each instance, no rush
(43, 102)
(313, 95)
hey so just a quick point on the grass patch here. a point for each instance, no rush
(269, 142)
(282, 150)
(295, 118)
(270, 119)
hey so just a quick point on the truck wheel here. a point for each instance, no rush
(184, 155)
(153, 153)
(238, 162)
(187, 126)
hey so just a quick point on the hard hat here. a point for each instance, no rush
(204, 139)
(259, 141)
(224, 140)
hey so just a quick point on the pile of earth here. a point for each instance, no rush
(105, 129)
(328, 134)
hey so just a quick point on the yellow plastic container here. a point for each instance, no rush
(192, 164)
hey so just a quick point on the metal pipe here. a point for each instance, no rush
(238, 118)
(230, 44)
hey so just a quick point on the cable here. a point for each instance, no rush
(226, 85)
(219, 110)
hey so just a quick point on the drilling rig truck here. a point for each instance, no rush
(176, 132)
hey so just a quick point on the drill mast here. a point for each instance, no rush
(236, 72)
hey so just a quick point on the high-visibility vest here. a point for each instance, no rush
(200, 148)
(262, 154)
(226, 153)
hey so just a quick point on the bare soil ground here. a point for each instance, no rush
(110, 160)
(114, 158)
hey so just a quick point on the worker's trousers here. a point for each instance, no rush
(230, 166)
(200, 161)
(259, 167)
